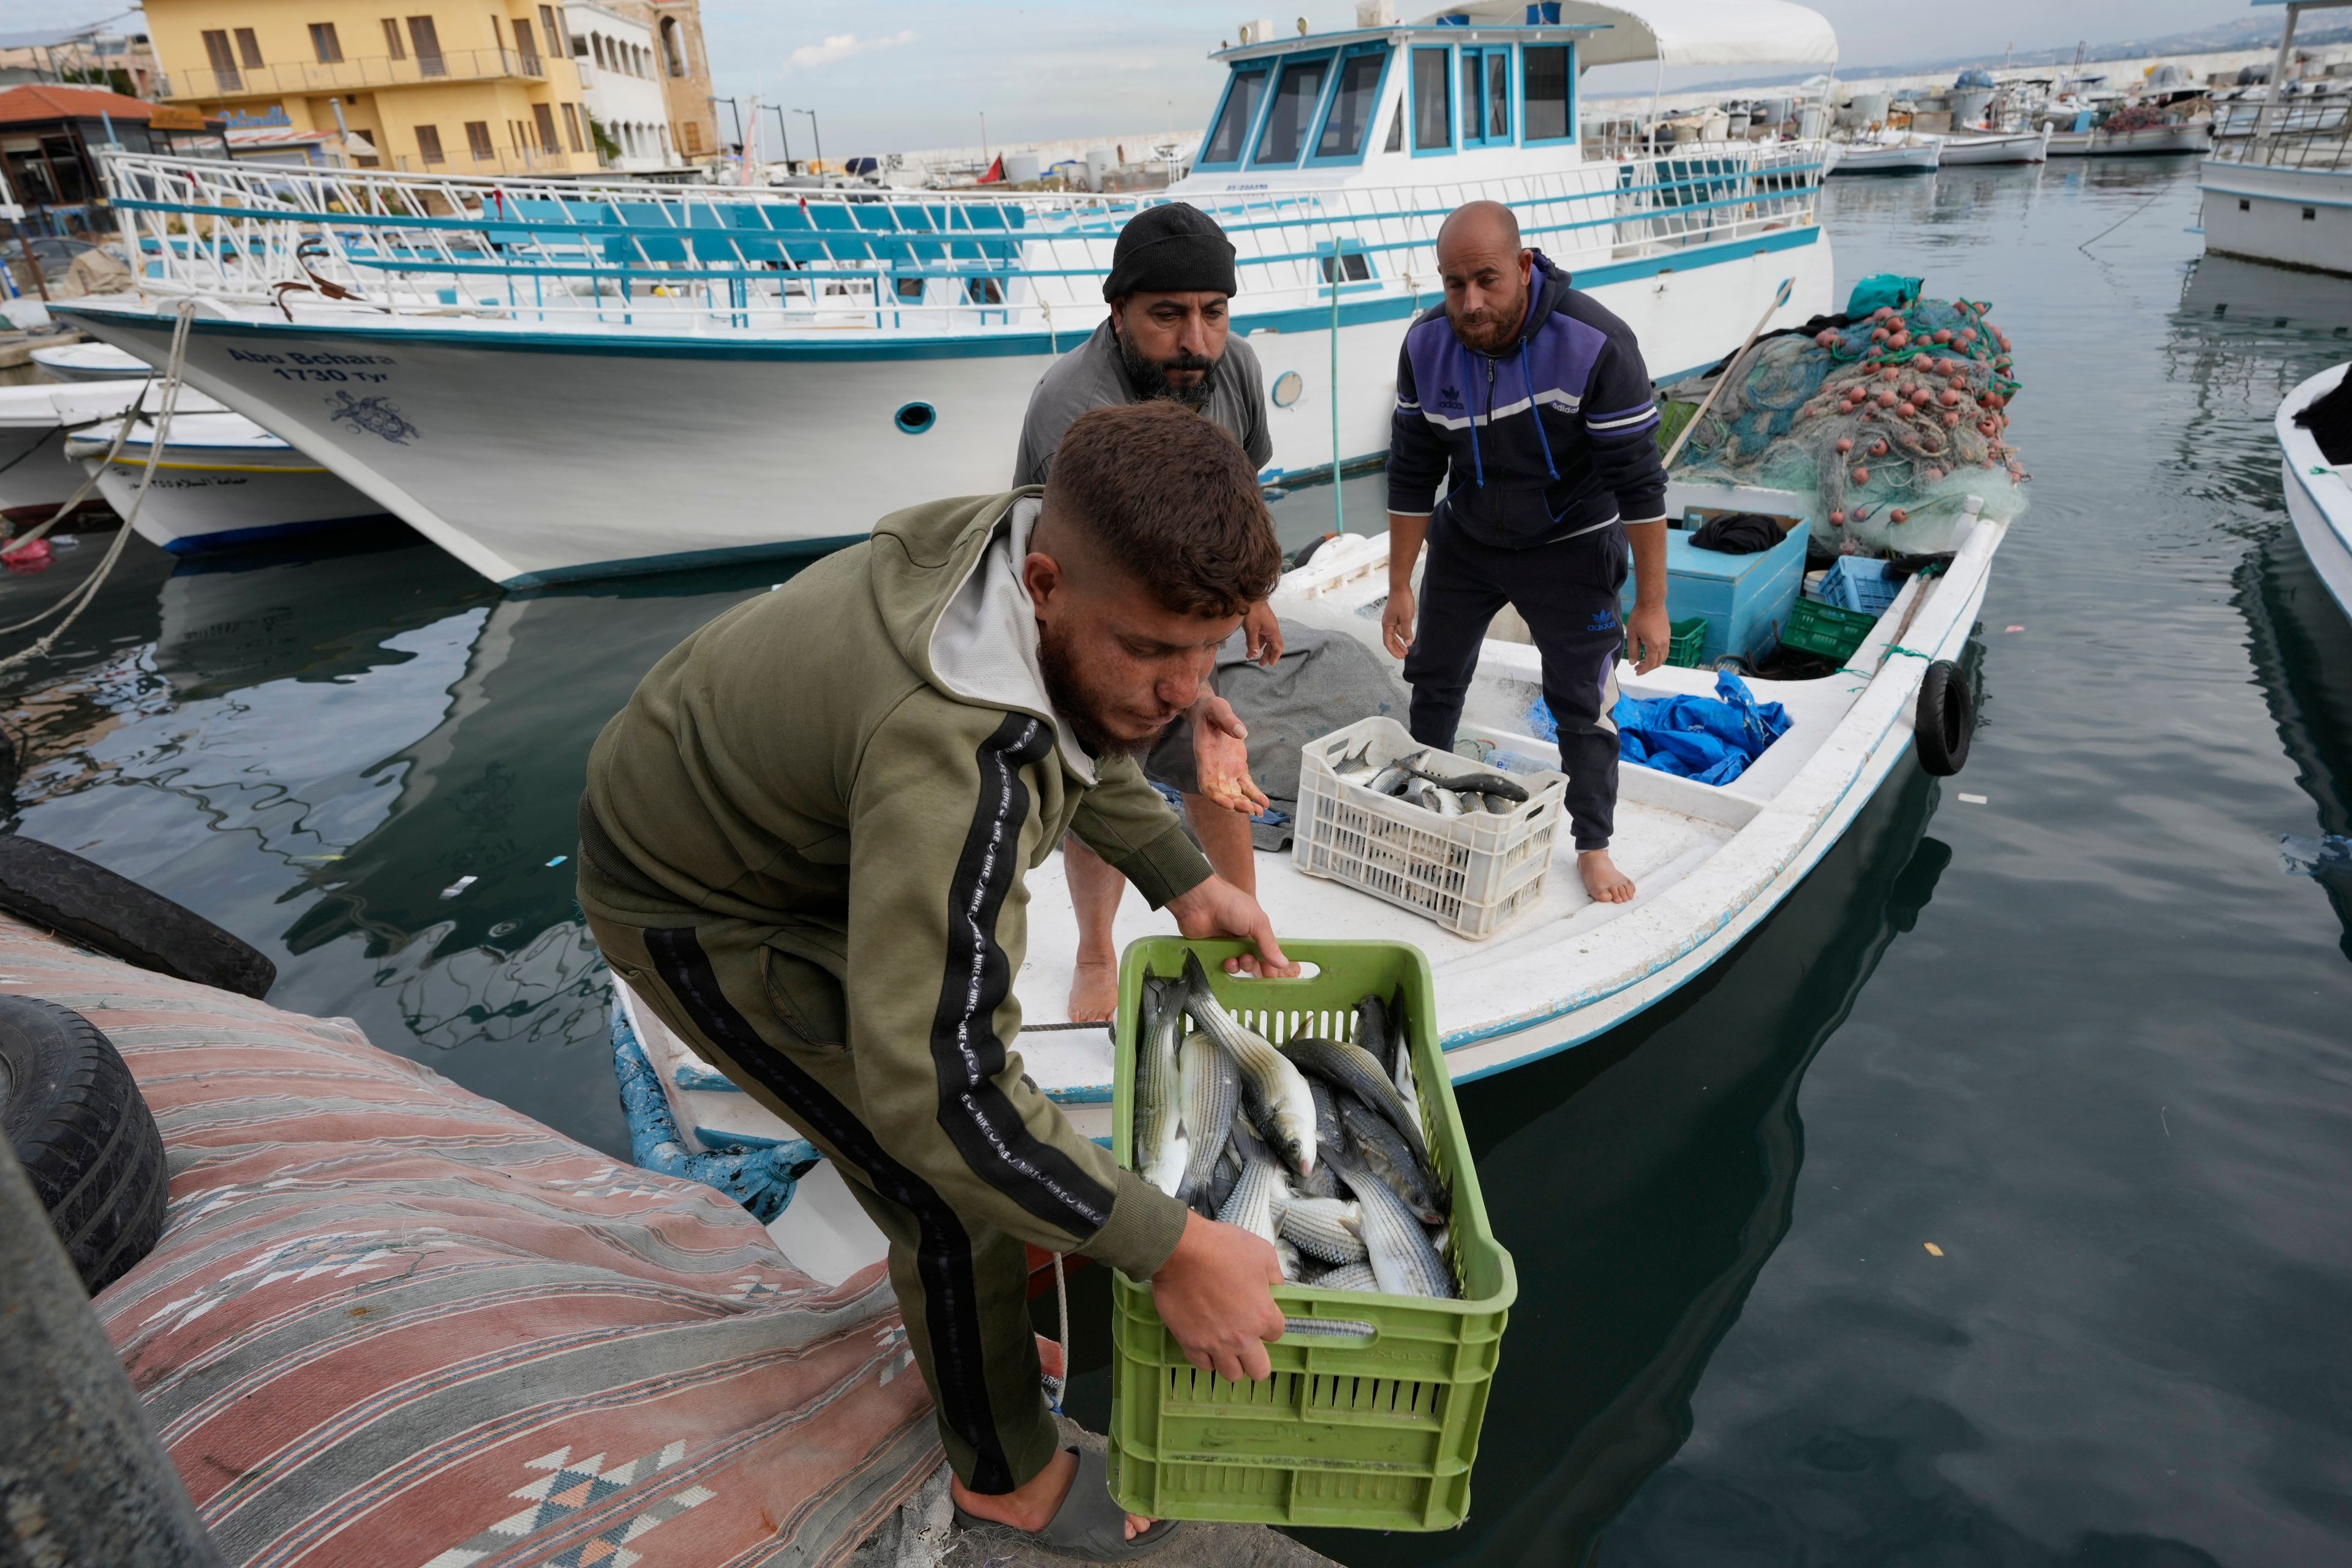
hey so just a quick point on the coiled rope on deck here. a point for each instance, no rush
(79, 599)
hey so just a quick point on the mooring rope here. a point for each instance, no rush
(79, 599)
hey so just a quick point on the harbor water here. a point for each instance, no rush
(1986, 1206)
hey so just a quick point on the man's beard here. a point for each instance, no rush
(1077, 707)
(1497, 330)
(1150, 377)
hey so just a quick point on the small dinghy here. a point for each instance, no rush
(2315, 420)
(223, 481)
(1887, 155)
(1997, 147)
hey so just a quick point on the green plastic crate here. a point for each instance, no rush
(1370, 1433)
(1684, 641)
(1826, 629)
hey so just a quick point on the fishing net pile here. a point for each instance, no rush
(1893, 418)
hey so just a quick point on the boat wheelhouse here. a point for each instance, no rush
(556, 380)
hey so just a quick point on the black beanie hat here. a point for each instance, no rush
(1170, 249)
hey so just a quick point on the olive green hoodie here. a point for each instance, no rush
(864, 764)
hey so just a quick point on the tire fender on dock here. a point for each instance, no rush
(83, 1132)
(82, 900)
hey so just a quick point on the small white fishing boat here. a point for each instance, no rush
(35, 421)
(1712, 861)
(1996, 147)
(222, 482)
(1887, 154)
(91, 362)
(2318, 492)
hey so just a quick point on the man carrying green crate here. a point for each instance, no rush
(805, 842)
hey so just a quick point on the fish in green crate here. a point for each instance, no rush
(1330, 1229)
(1404, 1261)
(1162, 1152)
(1373, 1139)
(1273, 1093)
(1210, 1091)
(1359, 1073)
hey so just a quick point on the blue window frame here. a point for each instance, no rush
(1486, 97)
(1548, 92)
(1432, 91)
(1229, 133)
(1355, 96)
(1289, 120)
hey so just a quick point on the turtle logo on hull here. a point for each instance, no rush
(375, 415)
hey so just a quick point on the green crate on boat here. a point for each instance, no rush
(1684, 641)
(1375, 1430)
(1825, 629)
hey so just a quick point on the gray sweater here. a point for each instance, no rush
(1092, 377)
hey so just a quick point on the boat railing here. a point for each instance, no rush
(2319, 148)
(718, 258)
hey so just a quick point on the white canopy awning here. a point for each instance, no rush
(1681, 32)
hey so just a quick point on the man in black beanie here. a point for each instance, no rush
(1171, 277)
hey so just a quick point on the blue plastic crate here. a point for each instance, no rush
(1860, 582)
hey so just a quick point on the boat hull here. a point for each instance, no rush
(1920, 160)
(2288, 217)
(2153, 141)
(201, 502)
(538, 456)
(1960, 151)
(33, 466)
(2318, 497)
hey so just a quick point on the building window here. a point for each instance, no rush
(527, 45)
(553, 29)
(1432, 102)
(478, 141)
(325, 44)
(673, 46)
(428, 144)
(544, 114)
(426, 40)
(391, 44)
(224, 62)
(571, 127)
(248, 48)
(1546, 84)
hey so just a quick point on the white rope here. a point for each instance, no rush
(80, 599)
(1062, 1315)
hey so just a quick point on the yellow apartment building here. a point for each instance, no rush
(444, 87)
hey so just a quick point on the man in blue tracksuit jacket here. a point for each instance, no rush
(1532, 403)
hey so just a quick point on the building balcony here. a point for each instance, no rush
(366, 73)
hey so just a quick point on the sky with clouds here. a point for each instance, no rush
(891, 77)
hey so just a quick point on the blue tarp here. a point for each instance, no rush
(1709, 738)
(761, 1174)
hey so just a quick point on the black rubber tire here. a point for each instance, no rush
(84, 1135)
(1945, 722)
(77, 897)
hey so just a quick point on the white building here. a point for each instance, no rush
(620, 83)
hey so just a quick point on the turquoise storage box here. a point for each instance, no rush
(1741, 597)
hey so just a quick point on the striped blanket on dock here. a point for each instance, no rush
(391, 1322)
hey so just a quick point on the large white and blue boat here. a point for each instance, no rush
(556, 380)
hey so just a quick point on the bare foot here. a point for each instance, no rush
(1031, 1507)
(1602, 880)
(1094, 990)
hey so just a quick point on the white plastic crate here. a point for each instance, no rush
(1470, 874)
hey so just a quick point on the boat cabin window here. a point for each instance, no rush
(1230, 136)
(1350, 118)
(1396, 130)
(1486, 97)
(1546, 77)
(1292, 116)
(1432, 102)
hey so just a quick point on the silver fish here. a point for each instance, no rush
(1375, 1141)
(1251, 1207)
(1161, 1146)
(1359, 1072)
(1477, 782)
(1402, 1259)
(1281, 1106)
(1347, 1277)
(1391, 780)
(1328, 1228)
(1221, 1181)
(1212, 1091)
(1374, 1033)
(1317, 1183)
(1448, 803)
(1496, 805)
